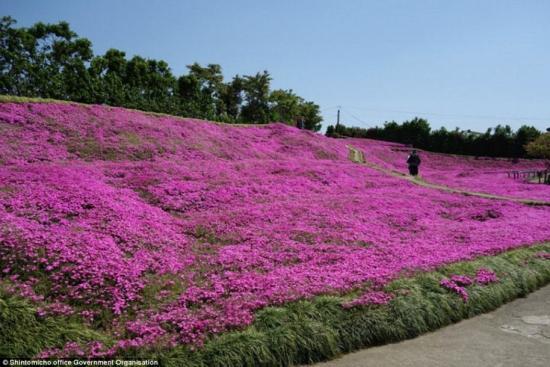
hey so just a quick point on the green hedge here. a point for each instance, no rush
(313, 330)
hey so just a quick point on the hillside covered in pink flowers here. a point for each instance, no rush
(478, 174)
(161, 231)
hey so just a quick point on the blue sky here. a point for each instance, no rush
(471, 64)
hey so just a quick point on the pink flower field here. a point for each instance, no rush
(161, 230)
(481, 174)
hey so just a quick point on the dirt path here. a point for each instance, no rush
(357, 156)
(517, 334)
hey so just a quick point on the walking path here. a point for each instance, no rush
(517, 334)
(357, 156)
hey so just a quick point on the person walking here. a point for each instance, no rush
(413, 161)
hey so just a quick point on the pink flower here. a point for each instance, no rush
(177, 229)
(370, 298)
(486, 276)
(461, 280)
(453, 287)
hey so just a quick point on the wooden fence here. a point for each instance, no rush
(542, 175)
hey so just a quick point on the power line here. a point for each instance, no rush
(450, 115)
(355, 117)
(328, 108)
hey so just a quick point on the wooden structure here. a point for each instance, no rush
(542, 175)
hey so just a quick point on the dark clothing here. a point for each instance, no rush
(413, 161)
(300, 124)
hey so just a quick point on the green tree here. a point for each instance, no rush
(47, 60)
(51, 61)
(285, 106)
(256, 96)
(415, 132)
(150, 84)
(199, 91)
(312, 115)
(231, 95)
(109, 75)
(540, 147)
(501, 141)
(523, 136)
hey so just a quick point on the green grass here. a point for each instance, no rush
(314, 330)
(23, 334)
(306, 331)
(16, 99)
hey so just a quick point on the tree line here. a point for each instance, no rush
(500, 141)
(52, 61)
